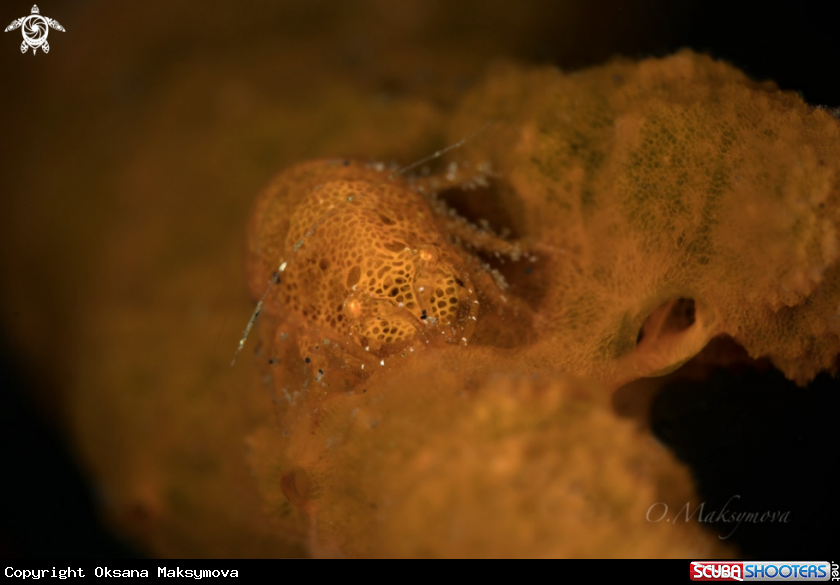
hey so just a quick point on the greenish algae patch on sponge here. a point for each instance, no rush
(642, 183)
(439, 387)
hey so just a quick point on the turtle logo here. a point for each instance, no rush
(35, 30)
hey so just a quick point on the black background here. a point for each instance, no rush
(784, 455)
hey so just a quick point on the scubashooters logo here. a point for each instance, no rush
(760, 571)
(35, 29)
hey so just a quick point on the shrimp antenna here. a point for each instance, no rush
(275, 277)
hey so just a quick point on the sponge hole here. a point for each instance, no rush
(674, 316)
(673, 333)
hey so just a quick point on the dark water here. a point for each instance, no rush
(780, 456)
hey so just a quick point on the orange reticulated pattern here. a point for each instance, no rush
(364, 259)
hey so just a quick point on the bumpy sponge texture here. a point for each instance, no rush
(657, 205)
(473, 464)
(642, 183)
